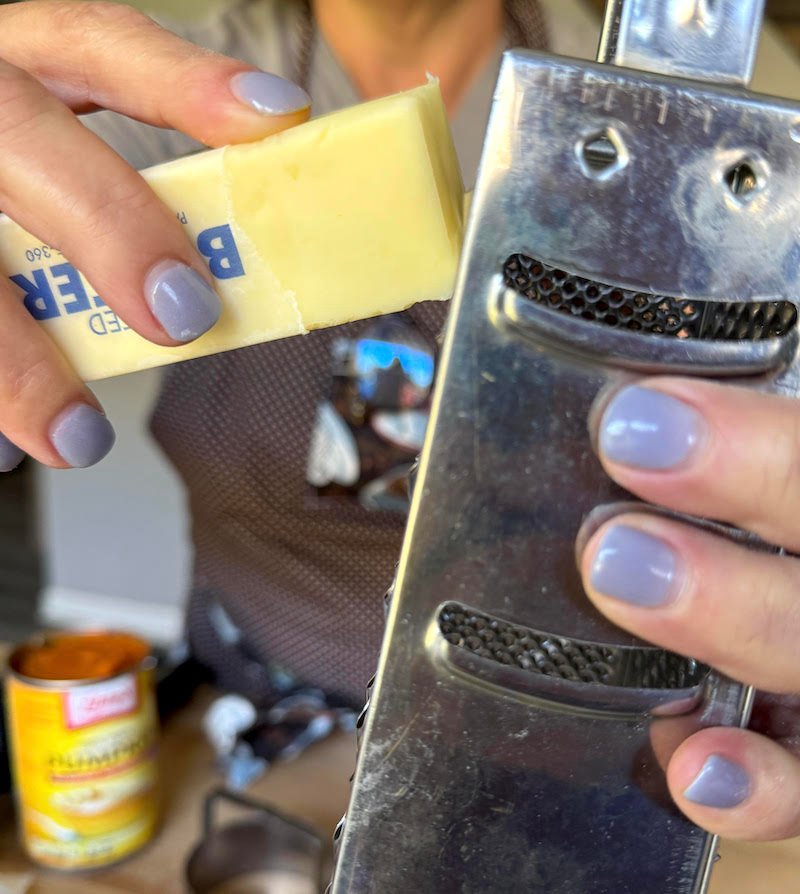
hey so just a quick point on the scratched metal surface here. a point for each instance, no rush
(679, 141)
(471, 779)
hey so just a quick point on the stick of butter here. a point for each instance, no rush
(350, 215)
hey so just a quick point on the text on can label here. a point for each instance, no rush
(92, 704)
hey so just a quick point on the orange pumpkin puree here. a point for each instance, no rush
(81, 656)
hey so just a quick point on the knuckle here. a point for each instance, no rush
(787, 457)
(121, 203)
(15, 90)
(25, 384)
(774, 476)
(99, 18)
(22, 107)
(769, 632)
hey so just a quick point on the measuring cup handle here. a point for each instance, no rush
(221, 794)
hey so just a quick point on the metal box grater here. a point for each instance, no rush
(632, 216)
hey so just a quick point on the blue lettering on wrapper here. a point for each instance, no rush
(218, 246)
(71, 286)
(39, 298)
(44, 288)
(106, 323)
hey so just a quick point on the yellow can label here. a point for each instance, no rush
(84, 761)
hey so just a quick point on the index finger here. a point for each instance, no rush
(717, 451)
(101, 54)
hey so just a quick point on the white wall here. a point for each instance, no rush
(115, 537)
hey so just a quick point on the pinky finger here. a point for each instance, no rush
(10, 455)
(45, 409)
(737, 784)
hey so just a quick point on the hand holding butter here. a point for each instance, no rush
(351, 215)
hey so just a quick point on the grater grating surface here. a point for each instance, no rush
(541, 653)
(647, 313)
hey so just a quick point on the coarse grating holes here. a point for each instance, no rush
(646, 313)
(540, 653)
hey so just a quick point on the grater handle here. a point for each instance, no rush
(609, 36)
(707, 40)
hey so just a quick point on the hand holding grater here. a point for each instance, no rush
(632, 216)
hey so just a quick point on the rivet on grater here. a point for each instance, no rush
(602, 154)
(743, 180)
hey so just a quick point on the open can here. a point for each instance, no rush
(83, 731)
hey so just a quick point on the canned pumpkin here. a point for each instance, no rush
(83, 735)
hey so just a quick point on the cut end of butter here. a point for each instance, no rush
(351, 215)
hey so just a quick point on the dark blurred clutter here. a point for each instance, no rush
(248, 741)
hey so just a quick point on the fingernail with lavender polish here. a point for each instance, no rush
(634, 566)
(720, 783)
(10, 455)
(82, 435)
(181, 300)
(269, 94)
(648, 429)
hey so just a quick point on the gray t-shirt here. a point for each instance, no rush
(301, 580)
